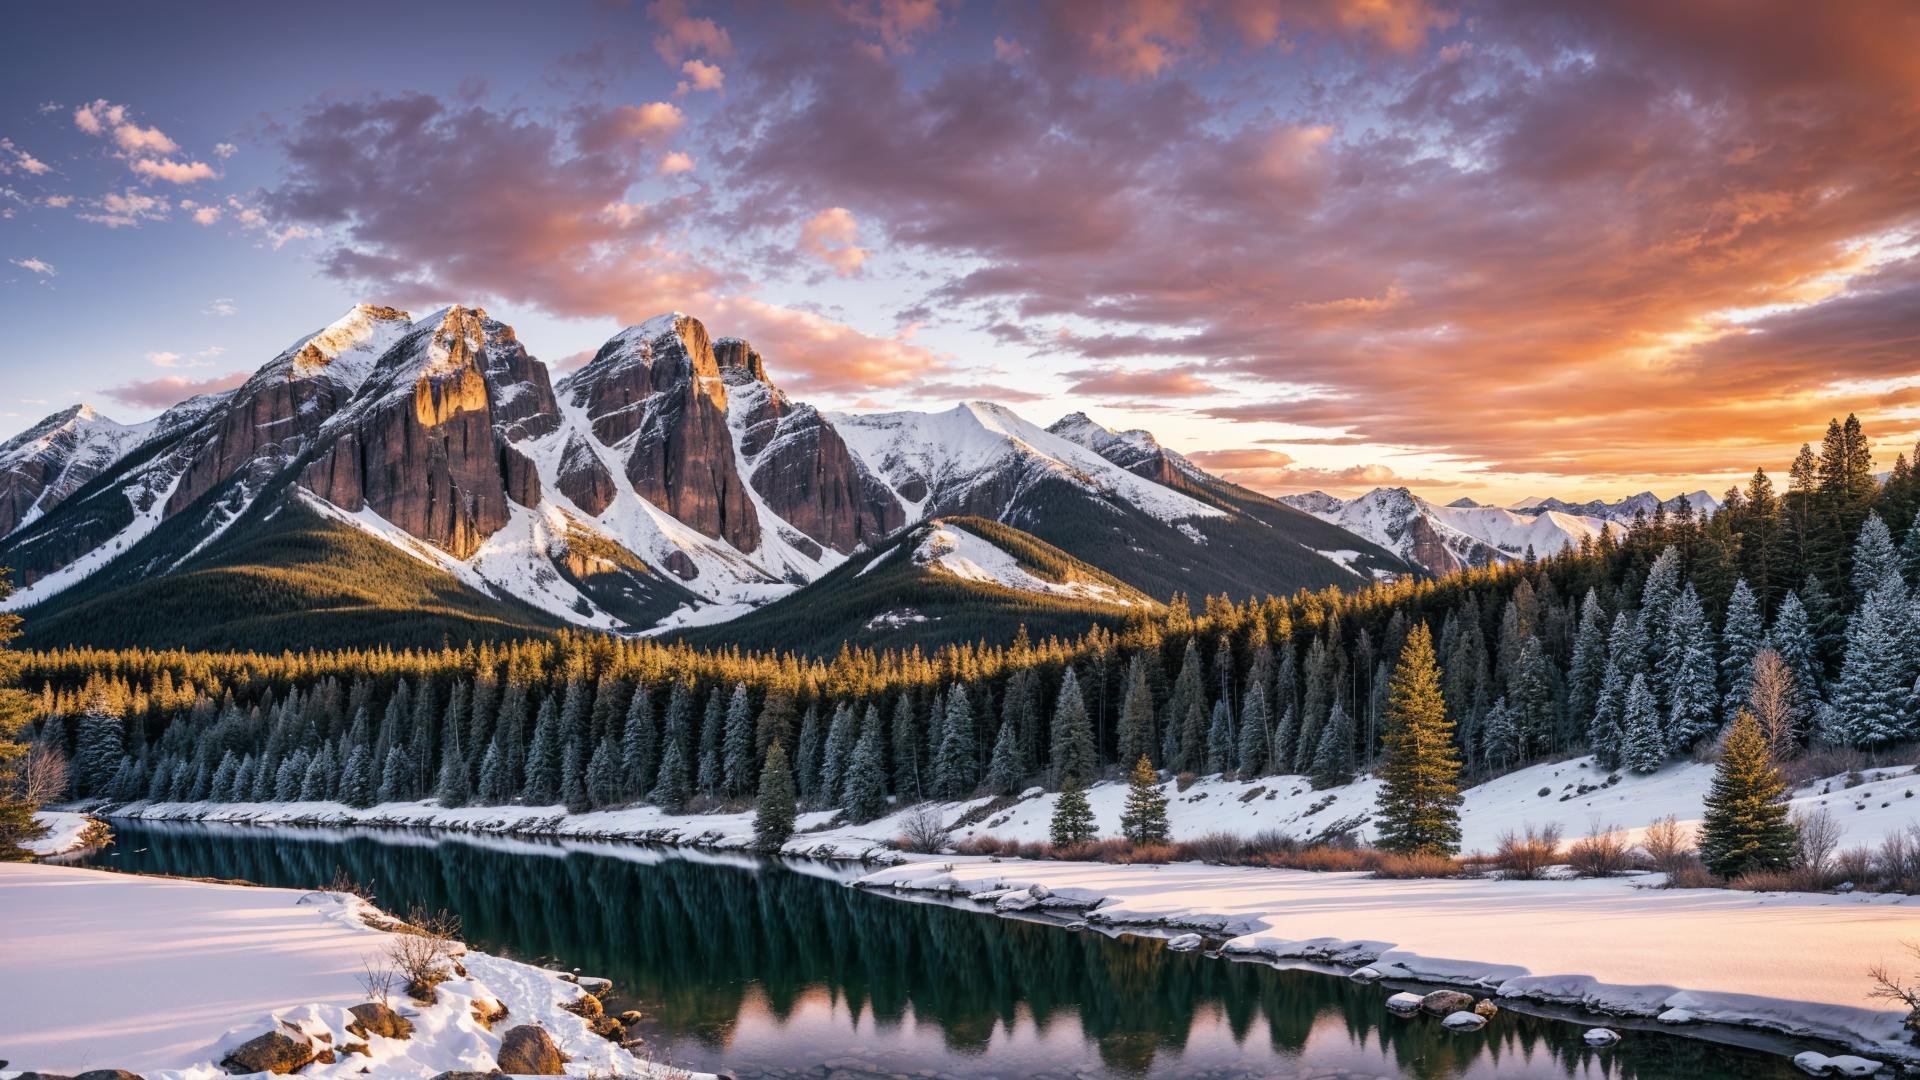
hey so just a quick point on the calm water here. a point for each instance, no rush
(773, 970)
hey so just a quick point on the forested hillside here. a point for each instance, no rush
(1796, 604)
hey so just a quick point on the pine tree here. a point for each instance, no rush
(866, 783)
(1072, 752)
(1870, 700)
(1003, 768)
(1657, 600)
(1500, 735)
(1740, 640)
(1136, 735)
(396, 778)
(1746, 826)
(1256, 732)
(1586, 673)
(1532, 700)
(1420, 774)
(543, 759)
(907, 751)
(451, 788)
(1072, 823)
(496, 786)
(953, 766)
(604, 786)
(1220, 741)
(1144, 821)
(841, 735)
(711, 725)
(639, 745)
(98, 743)
(671, 791)
(223, 778)
(737, 749)
(775, 809)
(1643, 742)
(1184, 743)
(1333, 758)
(1792, 637)
(807, 766)
(1692, 683)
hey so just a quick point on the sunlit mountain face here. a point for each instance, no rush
(1480, 250)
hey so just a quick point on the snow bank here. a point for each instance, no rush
(166, 976)
(66, 831)
(1791, 963)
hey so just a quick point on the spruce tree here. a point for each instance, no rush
(98, 743)
(223, 778)
(1586, 673)
(543, 759)
(841, 735)
(1144, 821)
(1692, 682)
(1281, 753)
(1072, 823)
(1740, 640)
(953, 766)
(1072, 752)
(775, 809)
(1500, 735)
(1221, 750)
(671, 791)
(1256, 732)
(496, 786)
(1420, 774)
(1870, 699)
(639, 745)
(711, 725)
(1605, 731)
(604, 784)
(1333, 758)
(287, 785)
(451, 788)
(1136, 734)
(1184, 745)
(1003, 768)
(908, 754)
(1792, 637)
(807, 765)
(1746, 826)
(1643, 741)
(396, 777)
(865, 794)
(737, 749)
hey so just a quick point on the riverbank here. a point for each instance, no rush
(166, 977)
(1790, 963)
(67, 832)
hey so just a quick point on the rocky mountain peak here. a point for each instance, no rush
(739, 361)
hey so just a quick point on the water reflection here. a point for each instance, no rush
(777, 971)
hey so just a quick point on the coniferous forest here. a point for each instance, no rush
(1798, 603)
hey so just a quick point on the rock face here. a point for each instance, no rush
(584, 480)
(420, 445)
(373, 1018)
(529, 1051)
(654, 393)
(51, 460)
(279, 1051)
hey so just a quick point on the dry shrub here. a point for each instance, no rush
(1798, 879)
(1004, 848)
(378, 982)
(1693, 874)
(1816, 837)
(1220, 848)
(423, 950)
(1327, 859)
(1822, 761)
(1418, 864)
(1109, 849)
(923, 832)
(343, 882)
(1854, 864)
(1526, 856)
(1897, 868)
(1148, 853)
(1669, 846)
(1603, 852)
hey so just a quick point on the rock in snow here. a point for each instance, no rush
(1186, 943)
(1601, 1037)
(1817, 1064)
(1404, 1003)
(1364, 975)
(1446, 1002)
(1464, 1021)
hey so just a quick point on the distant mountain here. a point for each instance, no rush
(1625, 510)
(1445, 539)
(666, 484)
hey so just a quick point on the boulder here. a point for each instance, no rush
(278, 1052)
(1464, 1021)
(1364, 975)
(1404, 1003)
(1186, 943)
(1817, 1064)
(108, 1074)
(1446, 1002)
(608, 1028)
(1485, 1009)
(374, 1018)
(631, 1016)
(489, 1013)
(467, 1074)
(529, 1051)
(1676, 1016)
(585, 1006)
(1601, 1037)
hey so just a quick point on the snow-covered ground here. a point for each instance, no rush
(66, 831)
(166, 976)
(1793, 963)
(1887, 803)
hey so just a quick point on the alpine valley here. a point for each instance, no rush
(392, 479)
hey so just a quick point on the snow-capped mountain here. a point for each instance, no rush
(54, 458)
(668, 482)
(1624, 510)
(1443, 539)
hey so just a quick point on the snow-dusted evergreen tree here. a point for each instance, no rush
(293, 773)
(1792, 637)
(1877, 564)
(1072, 821)
(543, 759)
(1910, 552)
(1531, 697)
(711, 726)
(865, 792)
(1183, 743)
(1136, 730)
(908, 754)
(396, 777)
(1286, 726)
(1333, 758)
(736, 749)
(1643, 746)
(97, 746)
(639, 745)
(1500, 735)
(496, 784)
(1072, 752)
(671, 791)
(451, 787)
(775, 808)
(223, 778)
(806, 766)
(1003, 767)
(954, 775)
(266, 777)
(1256, 733)
(1220, 741)
(1746, 826)
(841, 735)
(677, 729)
(1692, 678)
(1144, 820)
(1741, 639)
(243, 780)
(1870, 701)
(313, 784)
(604, 783)
(1587, 670)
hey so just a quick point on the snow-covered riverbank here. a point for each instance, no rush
(1784, 962)
(67, 832)
(166, 977)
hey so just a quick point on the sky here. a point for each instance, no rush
(1485, 249)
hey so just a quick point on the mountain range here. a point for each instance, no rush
(391, 478)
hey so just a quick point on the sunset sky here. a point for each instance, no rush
(1484, 249)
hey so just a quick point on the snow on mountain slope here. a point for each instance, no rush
(956, 551)
(43, 465)
(1624, 510)
(1444, 539)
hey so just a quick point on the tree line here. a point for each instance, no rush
(1637, 647)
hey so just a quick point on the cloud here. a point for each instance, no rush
(675, 163)
(829, 236)
(59, 202)
(223, 307)
(37, 266)
(626, 125)
(700, 75)
(1278, 473)
(682, 33)
(1140, 383)
(224, 150)
(206, 215)
(174, 172)
(812, 353)
(114, 121)
(12, 158)
(169, 390)
(124, 209)
(897, 23)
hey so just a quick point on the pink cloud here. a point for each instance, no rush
(169, 390)
(701, 75)
(174, 172)
(830, 236)
(682, 33)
